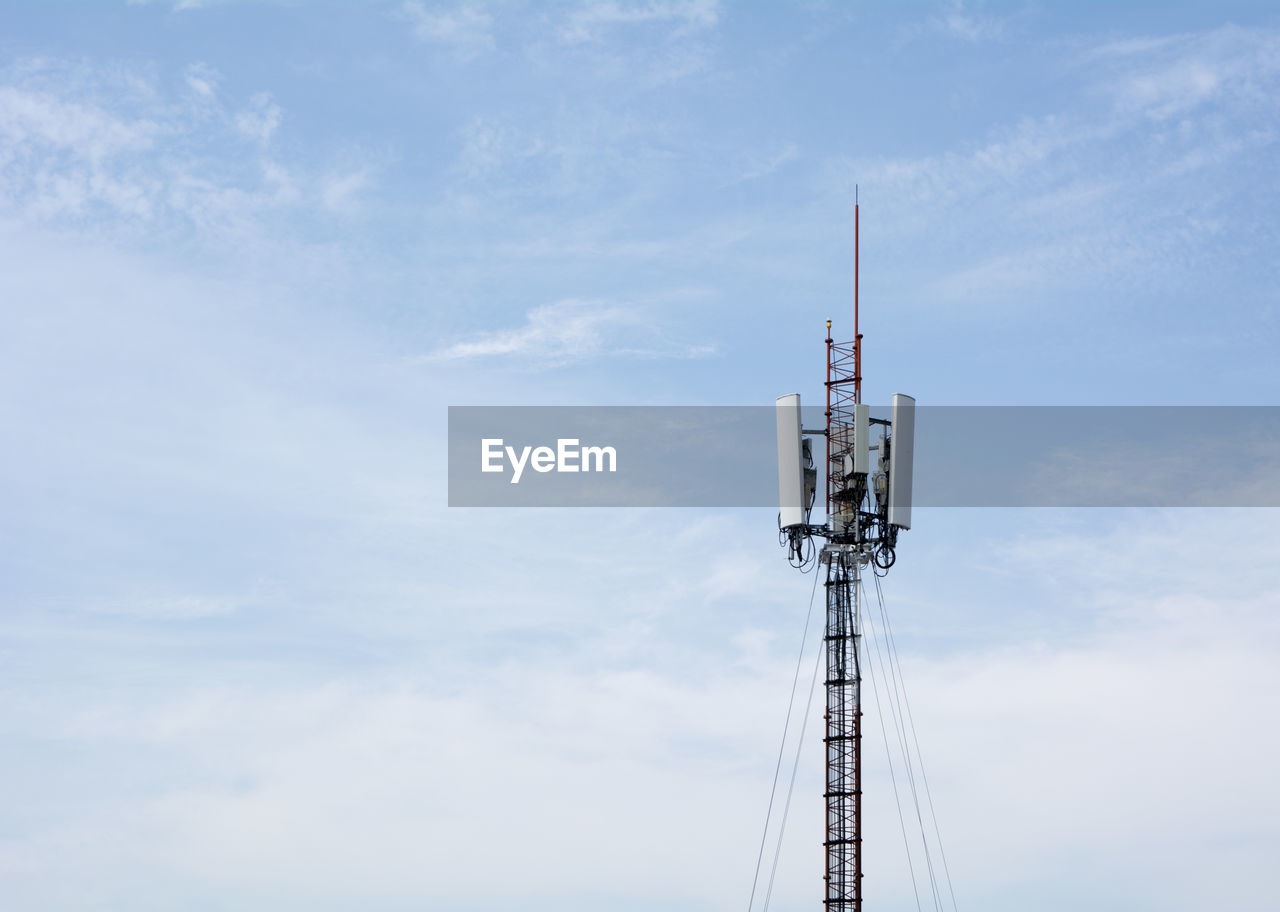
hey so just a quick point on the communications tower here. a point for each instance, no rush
(866, 507)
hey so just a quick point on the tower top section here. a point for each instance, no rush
(868, 502)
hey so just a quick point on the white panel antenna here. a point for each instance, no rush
(901, 452)
(861, 439)
(791, 481)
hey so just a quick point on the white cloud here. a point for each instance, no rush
(489, 145)
(466, 28)
(958, 22)
(166, 607)
(766, 165)
(339, 192)
(593, 20)
(1091, 190)
(1044, 754)
(31, 119)
(202, 79)
(1024, 154)
(1170, 77)
(260, 119)
(115, 151)
(179, 6)
(1090, 746)
(574, 330)
(269, 774)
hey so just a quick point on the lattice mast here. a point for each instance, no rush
(843, 716)
(865, 511)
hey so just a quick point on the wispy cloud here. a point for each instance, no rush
(340, 192)
(1007, 157)
(765, 165)
(126, 151)
(466, 28)
(1156, 78)
(259, 119)
(185, 607)
(639, 46)
(560, 157)
(488, 145)
(960, 22)
(246, 772)
(1091, 186)
(593, 20)
(202, 79)
(178, 6)
(1171, 76)
(574, 330)
(35, 119)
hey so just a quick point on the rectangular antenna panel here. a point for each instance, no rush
(861, 438)
(901, 452)
(791, 499)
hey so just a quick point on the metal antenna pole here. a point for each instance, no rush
(844, 734)
(857, 332)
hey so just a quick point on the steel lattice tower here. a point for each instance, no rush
(843, 736)
(844, 558)
(867, 506)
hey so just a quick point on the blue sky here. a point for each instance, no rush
(250, 252)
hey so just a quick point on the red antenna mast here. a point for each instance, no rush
(857, 334)
(852, 528)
